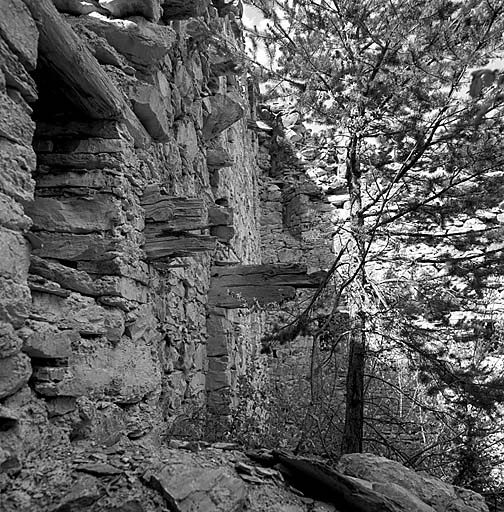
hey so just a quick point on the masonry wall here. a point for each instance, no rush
(112, 216)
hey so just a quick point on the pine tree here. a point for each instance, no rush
(392, 79)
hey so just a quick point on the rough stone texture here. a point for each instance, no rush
(432, 491)
(76, 215)
(143, 43)
(15, 123)
(19, 30)
(188, 488)
(223, 111)
(14, 374)
(17, 163)
(153, 110)
(16, 76)
(46, 342)
(149, 9)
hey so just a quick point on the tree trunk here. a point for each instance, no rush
(354, 403)
(354, 410)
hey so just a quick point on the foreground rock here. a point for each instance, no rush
(136, 476)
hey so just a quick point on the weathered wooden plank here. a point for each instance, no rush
(242, 297)
(84, 82)
(238, 286)
(274, 274)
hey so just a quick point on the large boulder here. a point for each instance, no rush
(388, 476)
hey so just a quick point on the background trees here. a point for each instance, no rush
(422, 162)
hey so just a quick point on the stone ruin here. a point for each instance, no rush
(136, 205)
(144, 231)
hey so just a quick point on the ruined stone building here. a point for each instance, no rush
(149, 221)
(140, 225)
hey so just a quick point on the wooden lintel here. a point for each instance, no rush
(84, 82)
(238, 286)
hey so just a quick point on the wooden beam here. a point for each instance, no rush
(85, 83)
(237, 286)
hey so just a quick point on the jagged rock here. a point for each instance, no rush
(82, 495)
(149, 9)
(12, 215)
(15, 371)
(16, 75)
(187, 488)
(99, 469)
(143, 43)
(98, 213)
(14, 302)
(153, 110)
(103, 52)
(60, 405)
(15, 123)
(47, 342)
(19, 30)
(223, 112)
(14, 256)
(187, 140)
(182, 9)
(10, 342)
(432, 491)
(218, 157)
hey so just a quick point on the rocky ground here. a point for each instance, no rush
(134, 476)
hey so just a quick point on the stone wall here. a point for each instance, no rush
(128, 171)
(142, 240)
